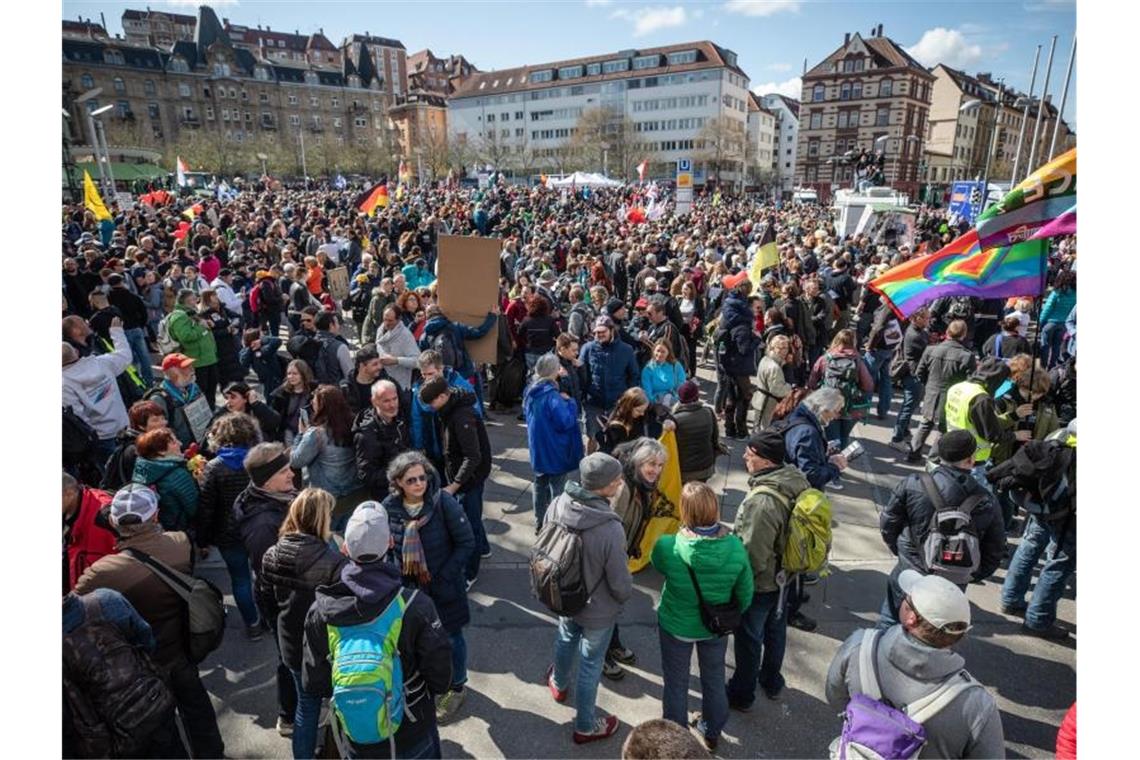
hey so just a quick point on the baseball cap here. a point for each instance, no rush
(366, 537)
(176, 360)
(133, 502)
(937, 600)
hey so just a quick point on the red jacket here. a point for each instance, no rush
(1067, 736)
(86, 541)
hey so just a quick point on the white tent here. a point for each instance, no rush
(582, 179)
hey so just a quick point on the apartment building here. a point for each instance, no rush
(868, 88)
(761, 144)
(787, 113)
(437, 76)
(157, 28)
(389, 57)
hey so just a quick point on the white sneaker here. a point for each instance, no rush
(284, 727)
(835, 485)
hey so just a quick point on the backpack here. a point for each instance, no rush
(806, 537)
(511, 381)
(951, 549)
(444, 342)
(166, 344)
(268, 296)
(557, 578)
(960, 307)
(205, 613)
(79, 438)
(112, 690)
(842, 373)
(115, 472)
(875, 729)
(368, 675)
(304, 347)
(326, 367)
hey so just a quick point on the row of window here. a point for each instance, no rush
(553, 134)
(884, 88)
(731, 102)
(665, 125)
(852, 118)
(554, 113)
(669, 104)
(617, 86)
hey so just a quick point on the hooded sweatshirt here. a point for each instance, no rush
(605, 568)
(90, 388)
(969, 727)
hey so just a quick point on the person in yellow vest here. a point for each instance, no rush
(970, 406)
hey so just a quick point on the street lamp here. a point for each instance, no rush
(263, 159)
(108, 178)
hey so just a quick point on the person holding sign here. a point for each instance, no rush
(181, 400)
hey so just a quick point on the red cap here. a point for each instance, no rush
(176, 360)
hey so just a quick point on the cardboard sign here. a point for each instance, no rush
(338, 283)
(198, 417)
(468, 270)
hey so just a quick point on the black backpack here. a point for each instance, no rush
(842, 373)
(326, 367)
(79, 442)
(116, 473)
(268, 296)
(112, 691)
(556, 576)
(305, 347)
(444, 343)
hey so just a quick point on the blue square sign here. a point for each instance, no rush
(684, 165)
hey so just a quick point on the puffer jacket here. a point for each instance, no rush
(467, 455)
(698, 440)
(291, 571)
(259, 515)
(761, 519)
(610, 369)
(735, 333)
(326, 464)
(552, 431)
(940, 367)
(721, 566)
(447, 542)
(222, 481)
(177, 491)
(905, 521)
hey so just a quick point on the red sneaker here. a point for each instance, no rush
(558, 694)
(604, 728)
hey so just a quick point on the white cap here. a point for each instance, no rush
(937, 600)
(367, 534)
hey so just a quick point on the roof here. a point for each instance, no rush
(418, 60)
(209, 31)
(254, 36)
(709, 55)
(134, 56)
(887, 53)
(372, 40)
(755, 106)
(178, 18)
(83, 27)
(791, 104)
(319, 41)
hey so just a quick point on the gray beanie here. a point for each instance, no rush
(598, 470)
(547, 367)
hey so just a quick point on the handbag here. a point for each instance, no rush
(720, 619)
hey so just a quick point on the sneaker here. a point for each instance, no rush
(604, 728)
(284, 727)
(448, 705)
(835, 485)
(1014, 610)
(696, 723)
(253, 632)
(612, 670)
(622, 655)
(803, 622)
(558, 694)
(902, 446)
(471, 582)
(1052, 633)
(810, 579)
(486, 554)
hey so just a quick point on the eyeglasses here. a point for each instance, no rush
(411, 481)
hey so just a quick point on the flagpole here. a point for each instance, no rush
(1025, 119)
(1040, 108)
(1064, 97)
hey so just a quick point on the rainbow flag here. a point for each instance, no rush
(1065, 224)
(1040, 198)
(964, 268)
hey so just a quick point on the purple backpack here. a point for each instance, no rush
(873, 728)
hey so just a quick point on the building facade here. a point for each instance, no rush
(761, 145)
(658, 99)
(157, 28)
(869, 88)
(389, 58)
(437, 76)
(787, 113)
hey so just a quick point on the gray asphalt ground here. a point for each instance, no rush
(509, 712)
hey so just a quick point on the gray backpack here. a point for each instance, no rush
(951, 549)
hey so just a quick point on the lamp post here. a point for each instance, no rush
(1026, 101)
(82, 100)
(263, 158)
(102, 155)
(304, 165)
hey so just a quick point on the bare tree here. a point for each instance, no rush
(722, 140)
(605, 139)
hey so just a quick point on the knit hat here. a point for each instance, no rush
(613, 306)
(433, 389)
(956, 446)
(688, 392)
(133, 502)
(367, 535)
(547, 366)
(598, 470)
(768, 444)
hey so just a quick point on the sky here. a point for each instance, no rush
(772, 38)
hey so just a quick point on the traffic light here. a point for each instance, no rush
(976, 197)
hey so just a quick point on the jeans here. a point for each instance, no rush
(546, 489)
(879, 362)
(675, 658)
(458, 659)
(140, 354)
(591, 644)
(1058, 542)
(305, 720)
(241, 580)
(840, 430)
(1052, 335)
(912, 397)
(759, 648)
(197, 711)
(472, 501)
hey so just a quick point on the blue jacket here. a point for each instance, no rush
(552, 431)
(424, 423)
(659, 379)
(461, 333)
(611, 369)
(330, 467)
(806, 447)
(1057, 305)
(448, 541)
(264, 363)
(417, 277)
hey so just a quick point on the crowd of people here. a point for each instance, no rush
(335, 454)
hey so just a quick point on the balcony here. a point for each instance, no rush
(190, 120)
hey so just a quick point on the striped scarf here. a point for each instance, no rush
(413, 560)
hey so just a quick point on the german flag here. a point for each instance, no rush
(375, 197)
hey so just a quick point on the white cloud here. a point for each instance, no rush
(948, 46)
(789, 88)
(779, 67)
(647, 20)
(761, 7)
(598, 3)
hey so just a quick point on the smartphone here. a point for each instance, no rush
(853, 451)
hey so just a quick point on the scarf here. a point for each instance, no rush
(413, 561)
(715, 530)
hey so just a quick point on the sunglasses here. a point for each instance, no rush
(415, 479)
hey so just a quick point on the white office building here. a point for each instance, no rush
(787, 112)
(522, 120)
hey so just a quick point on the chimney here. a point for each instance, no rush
(102, 20)
(846, 37)
(879, 32)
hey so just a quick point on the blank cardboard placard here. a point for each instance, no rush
(468, 288)
(338, 283)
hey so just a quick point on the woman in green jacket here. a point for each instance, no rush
(720, 563)
(160, 464)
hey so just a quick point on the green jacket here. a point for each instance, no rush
(721, 566)
(761, 520)
(176, 487)
(195, 338)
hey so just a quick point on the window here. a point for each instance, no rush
(314, 101)
(152, 110)
(856, 90)
(504, 133)
(685, 56)
(262, 73)
(263, 97)
(542, 76)
(885, 88)
(183, 90)
(593, 69)
(335, 102)
(122, 108)
(248, 117)
(813, 147)
(611, 67)
(570, 72)
(841, 120)
(518, 115)
(882, 117)
(316, 121)
(294, 120)
(647, 61)
(292, 100)
(113, 57)
(244, 95)
(311, 77)
(179, 66)
(505, 116)
(518, 132)
(233, 93)
(119, 85)
(209, 113)
(490, 118)
(817, 93)
(225, 114)
(816, 120)
(845, 91)
(148, 87)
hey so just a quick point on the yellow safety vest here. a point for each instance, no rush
(958, 400)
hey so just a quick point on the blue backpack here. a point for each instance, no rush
(368, 677)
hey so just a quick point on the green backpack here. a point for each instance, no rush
(806, 538)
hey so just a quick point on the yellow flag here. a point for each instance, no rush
(767, 256)
(92, 200)
(665, 511)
